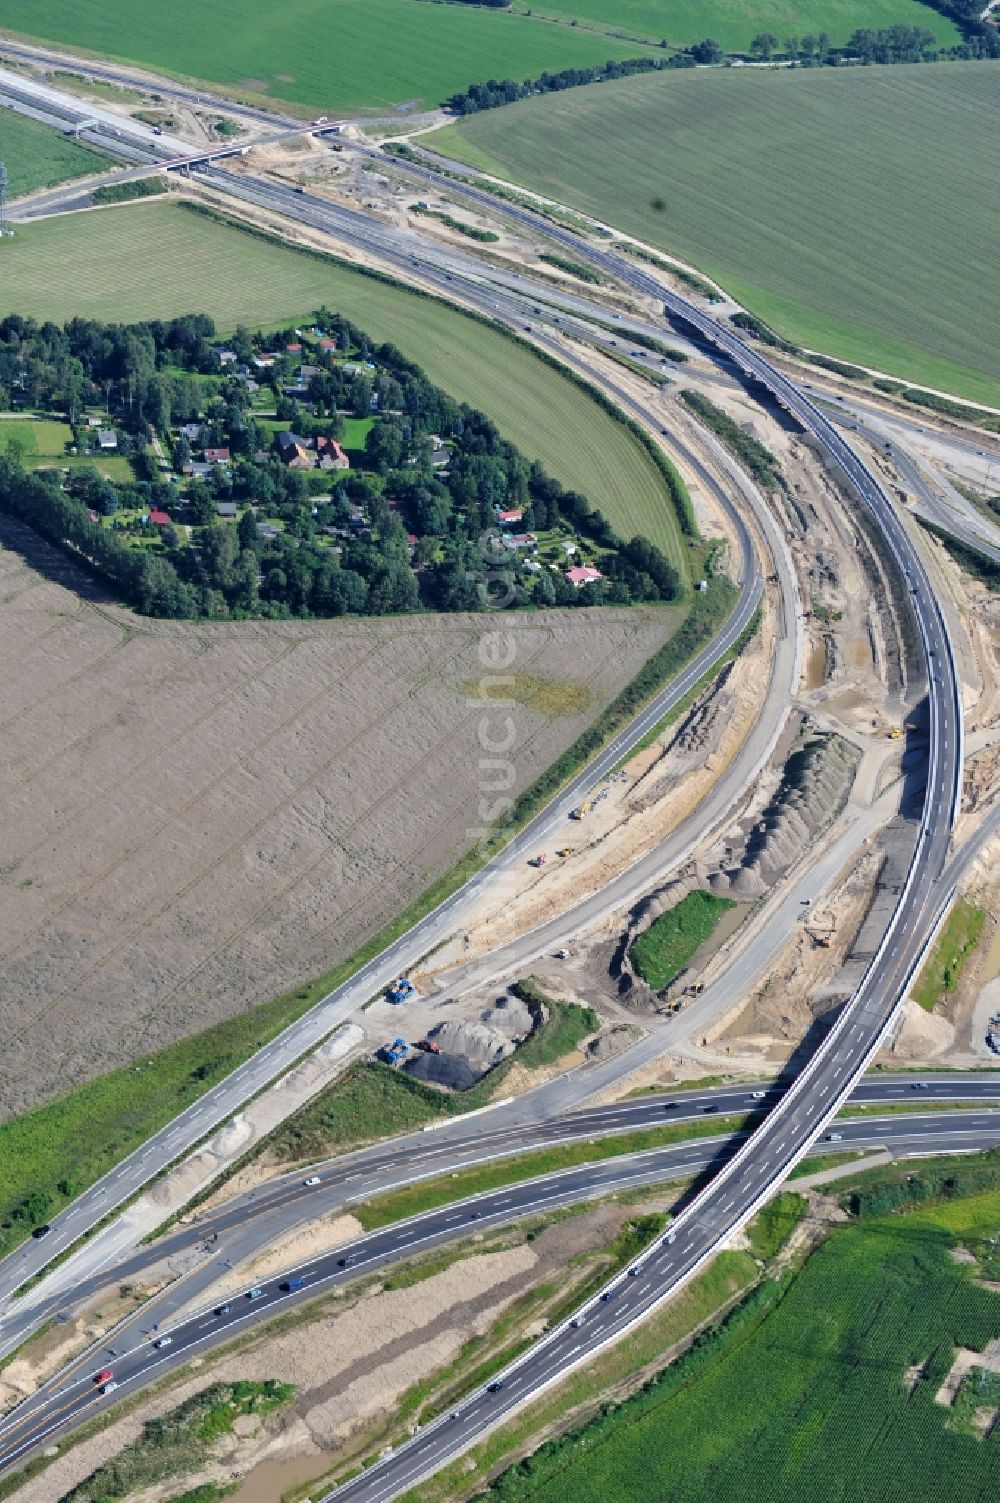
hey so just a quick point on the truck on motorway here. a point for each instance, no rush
(295, 1282)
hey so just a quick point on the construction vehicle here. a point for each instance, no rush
(895, 734)
(582, 810)
(538, 860)
(429, 1045)
(400, 990)
(396, 1052)
(567, 850)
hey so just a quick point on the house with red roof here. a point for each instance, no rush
(159, 518)
(583, 574)
(331, 455)
(217, 456)
(508, 518)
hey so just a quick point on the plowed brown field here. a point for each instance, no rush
(197, 817)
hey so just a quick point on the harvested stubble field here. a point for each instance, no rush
(38, 157)
(769, 180)
(329, 54)
(155, 260)
(198, 817)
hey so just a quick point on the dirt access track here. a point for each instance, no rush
(199, 816)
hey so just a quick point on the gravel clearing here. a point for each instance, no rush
(200, 816)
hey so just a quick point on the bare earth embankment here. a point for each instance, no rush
(197, 817)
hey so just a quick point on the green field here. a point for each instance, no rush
(959, 938)
(665, 948)
(826, 200)
(322, 54)
(42, 442)
(38, 157)
(810, 1398)
(156, 259)
(735, 23)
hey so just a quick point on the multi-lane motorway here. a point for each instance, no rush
(757, 1165)
(266, 1215)
(135, 1359)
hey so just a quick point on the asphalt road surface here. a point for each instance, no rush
(135, 1359)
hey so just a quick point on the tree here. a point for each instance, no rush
(708, 51)
(792, 46)
(764, 45)
(246, 531)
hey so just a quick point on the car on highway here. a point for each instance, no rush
(223, 1309)
(708, 1109)
(163, 1341)
(608, 1294)
(834, 1137)
(41, 1231)
(495, 1386)
(104, 1376)
(671, 1106)
(758, 1095)
(109, 1387)
(919, 1085)
(313, 1179)
(346, 1261)
(255, 1293)
(670, 1237)
(576, 1322)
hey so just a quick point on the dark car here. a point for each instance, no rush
(710, 1109)
(608, 1294)
(670, 1106)
(495, 1386)
(41, 1231)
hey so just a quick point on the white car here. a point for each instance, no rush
(759, 1095)
(163, 1341)
(312, 1180)
(109, 1387)
(834, 1137)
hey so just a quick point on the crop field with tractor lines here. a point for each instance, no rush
(735, 23)
(334, 55)
(38, 157)
(197, 818)
(826, 200)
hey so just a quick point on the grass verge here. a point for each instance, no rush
(663, 950)
(963, 929)
(427, 1195)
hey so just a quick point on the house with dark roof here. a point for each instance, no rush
(294, 450)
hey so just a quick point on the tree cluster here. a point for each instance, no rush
(394, 534)
(494, 93)
(135, 371)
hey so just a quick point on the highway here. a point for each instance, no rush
(763, 1159)
(744, 1183)
(199, 1120)
(72, 1396)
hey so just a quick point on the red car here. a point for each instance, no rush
(103, 1376)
